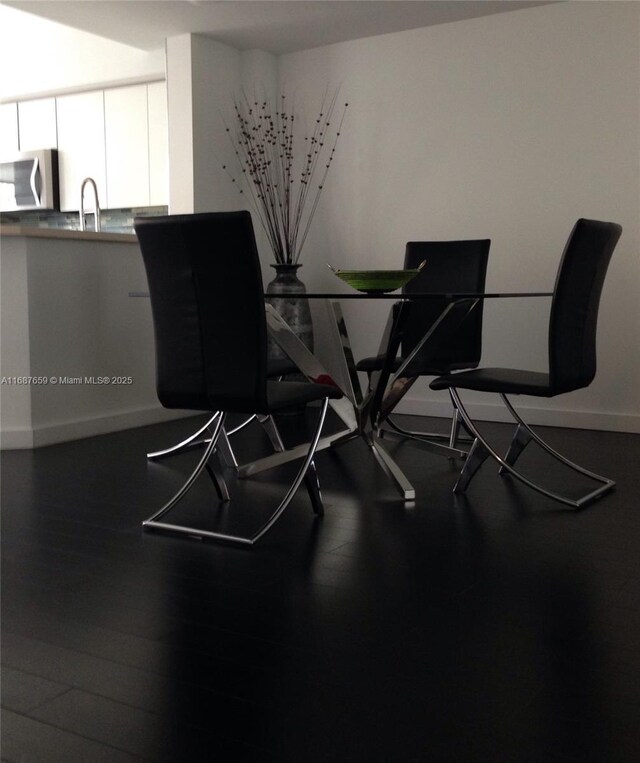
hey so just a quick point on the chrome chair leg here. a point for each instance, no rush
(193, 442)
(269, 426)
(299, 477)
(152, 521)
(607, 483)
(478, 454)
(507, 467)
(226, 451)
(520, 440)
(454, 434)
(242, 425)
(188, 444)
(193, 532)
(217, 478)
(313, 488)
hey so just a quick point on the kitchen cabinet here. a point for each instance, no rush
(158, 144)
(81, 147)
(119, 137)
(127, 146)
(9, 129)
(66, 311)
(137, 146)
(37, 124)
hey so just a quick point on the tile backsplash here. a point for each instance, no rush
(111, 220)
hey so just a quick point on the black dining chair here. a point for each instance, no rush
(450, 266)
(572, 359)
(277, 369)
(208, 310)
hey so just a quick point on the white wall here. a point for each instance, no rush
(216, 76)
(204, 78)
(180, 124)
(509, 127)
(38, 57)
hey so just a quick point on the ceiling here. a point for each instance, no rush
(277, 26)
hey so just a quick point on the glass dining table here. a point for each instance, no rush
(362, 412)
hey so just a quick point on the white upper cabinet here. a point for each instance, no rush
(9, 129)
(81, 146)
(118, 137)
(37, 124)
(158, 144)
(127, 146)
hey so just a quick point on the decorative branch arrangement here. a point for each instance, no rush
(282, 186)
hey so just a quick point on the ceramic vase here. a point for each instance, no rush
(282, 293)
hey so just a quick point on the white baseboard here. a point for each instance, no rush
(39, 436)
(572, 419)
(16, 439)
(50, 434)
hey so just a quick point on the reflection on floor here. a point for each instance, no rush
(496, 627)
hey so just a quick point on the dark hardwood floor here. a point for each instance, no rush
(499, 626)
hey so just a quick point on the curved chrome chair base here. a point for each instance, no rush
(226, 451)
(188, 444)
(452, 438)
(306, 472)
(426, 442)
(481, 450)
(242, 425)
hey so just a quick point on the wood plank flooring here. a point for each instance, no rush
(497, 626)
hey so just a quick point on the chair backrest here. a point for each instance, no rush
(451, 266)
(207, 303)
(576, 298)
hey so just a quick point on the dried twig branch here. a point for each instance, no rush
(280, 181)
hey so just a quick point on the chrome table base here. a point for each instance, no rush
(363, 414)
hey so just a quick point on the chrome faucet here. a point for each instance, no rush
(91, 182)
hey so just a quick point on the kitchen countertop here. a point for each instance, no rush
(72, 235)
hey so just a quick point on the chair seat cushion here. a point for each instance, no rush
(285, 394)
(417, 368)
(506, 380)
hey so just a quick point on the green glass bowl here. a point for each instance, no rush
(376, 281)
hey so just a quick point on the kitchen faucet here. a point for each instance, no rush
(91, 182)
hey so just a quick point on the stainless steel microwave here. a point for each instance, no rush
(30, 181)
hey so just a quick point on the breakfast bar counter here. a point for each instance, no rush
(67, 323)
(63, 233)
